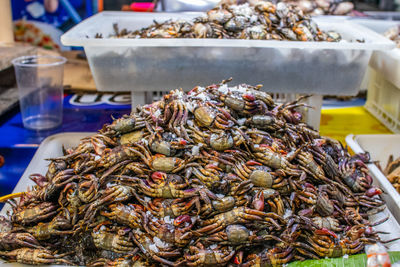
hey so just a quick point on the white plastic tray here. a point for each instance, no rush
(164, 64)
(51, 147)
(380, 147)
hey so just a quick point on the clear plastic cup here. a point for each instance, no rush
(40, 85)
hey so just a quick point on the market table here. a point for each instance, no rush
(89, 112)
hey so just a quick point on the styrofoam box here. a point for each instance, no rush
(52, 147)
(165, 64)
(380, 147)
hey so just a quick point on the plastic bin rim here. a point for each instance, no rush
(70, 38)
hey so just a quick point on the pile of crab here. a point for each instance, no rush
(263, 21)
(218, 176)
(310, 7)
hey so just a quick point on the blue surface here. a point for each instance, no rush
(88, 116)
(15, 162)
(333, 103)
(85, 114)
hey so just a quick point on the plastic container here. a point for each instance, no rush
(383, 98)
(165, 64)
(40, 87)
(383, 15)
(380, 147)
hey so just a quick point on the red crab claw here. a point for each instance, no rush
(253, 162)
(282, 152)
(249, 97)
(183, 142)
(138, 207)
(238, 259)
(373, 191)
(324, 231)
(181, 219)
(158, 176)
(135, 258)
(258, 202)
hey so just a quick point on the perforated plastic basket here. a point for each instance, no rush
(383, 100)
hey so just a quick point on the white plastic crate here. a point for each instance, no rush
(311, 116)
(383, 100)
(119, 64)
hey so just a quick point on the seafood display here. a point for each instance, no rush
(392, 172)
(310, 7)
(394, 35)
(263, 21)
(221, 175)
(323, 7)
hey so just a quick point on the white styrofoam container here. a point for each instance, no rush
(52, 147)
(380, 147)
(165, 64)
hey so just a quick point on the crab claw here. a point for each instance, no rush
(181, 219)
(238, 259)
(249, 97)
(258, 202)
(98, 145)
(252, 163)
(158, 176)
(226, 113)
(183, 142)
(373, 191)
(39, 179)
(324, 231)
